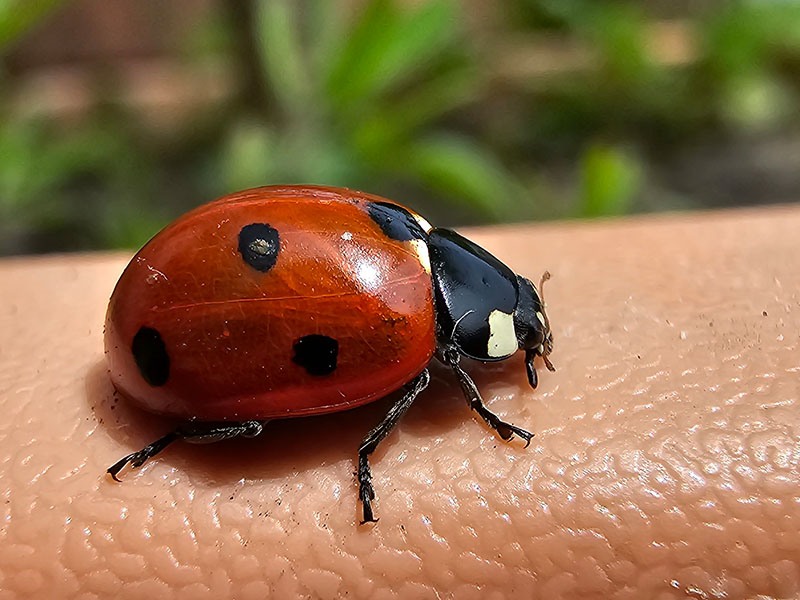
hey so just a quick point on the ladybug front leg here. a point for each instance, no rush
(452, 358)
(366, 493)
(196, 433)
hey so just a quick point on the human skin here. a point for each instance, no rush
(666, 460)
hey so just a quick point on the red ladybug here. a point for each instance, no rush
(267, 304)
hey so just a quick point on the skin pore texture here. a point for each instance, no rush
(666, 461)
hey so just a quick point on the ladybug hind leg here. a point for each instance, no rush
(366, 493)
(452, 358)
(196, 433)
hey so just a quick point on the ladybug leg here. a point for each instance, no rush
(137, 459)
(533, 379)
(196, 433)
(452, 358)
(366, 492)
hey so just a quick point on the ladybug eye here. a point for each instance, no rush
(259, 245)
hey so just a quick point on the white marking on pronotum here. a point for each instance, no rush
(502, 337)
(540, 316)
(421, 248)
(423, 222)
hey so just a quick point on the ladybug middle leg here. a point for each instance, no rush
(195, 433)
(366, 492)
(452, 358)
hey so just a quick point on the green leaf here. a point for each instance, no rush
(758, 102)
(281, 54)
(17, 16)
(389, 45)
(394, 124)
(610, 180)
(129, 222)
(370, 32)
(328, 22)
(466, 172)
(249, 157)
(739, 39)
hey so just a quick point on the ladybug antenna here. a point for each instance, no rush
(545, 277)
(548, 344)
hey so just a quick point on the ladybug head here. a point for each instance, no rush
(532, 325)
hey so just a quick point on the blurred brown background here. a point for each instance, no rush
(117, 116)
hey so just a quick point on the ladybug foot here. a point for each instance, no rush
(507, 431)
(366, 493)
(137, 459)
(119, 465)
(504, 430)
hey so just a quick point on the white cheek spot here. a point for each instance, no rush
(421, 248)
(423, 222)
(502, 337)
(540, 316)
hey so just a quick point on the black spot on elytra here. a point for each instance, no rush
(259, 245)
(395, 221)
(316, 354)
(151, 356)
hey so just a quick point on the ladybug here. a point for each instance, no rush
(268, 303)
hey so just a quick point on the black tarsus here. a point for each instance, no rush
(366, 493)
(196, 432)
(452, 358)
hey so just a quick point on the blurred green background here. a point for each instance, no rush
(115, 117)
